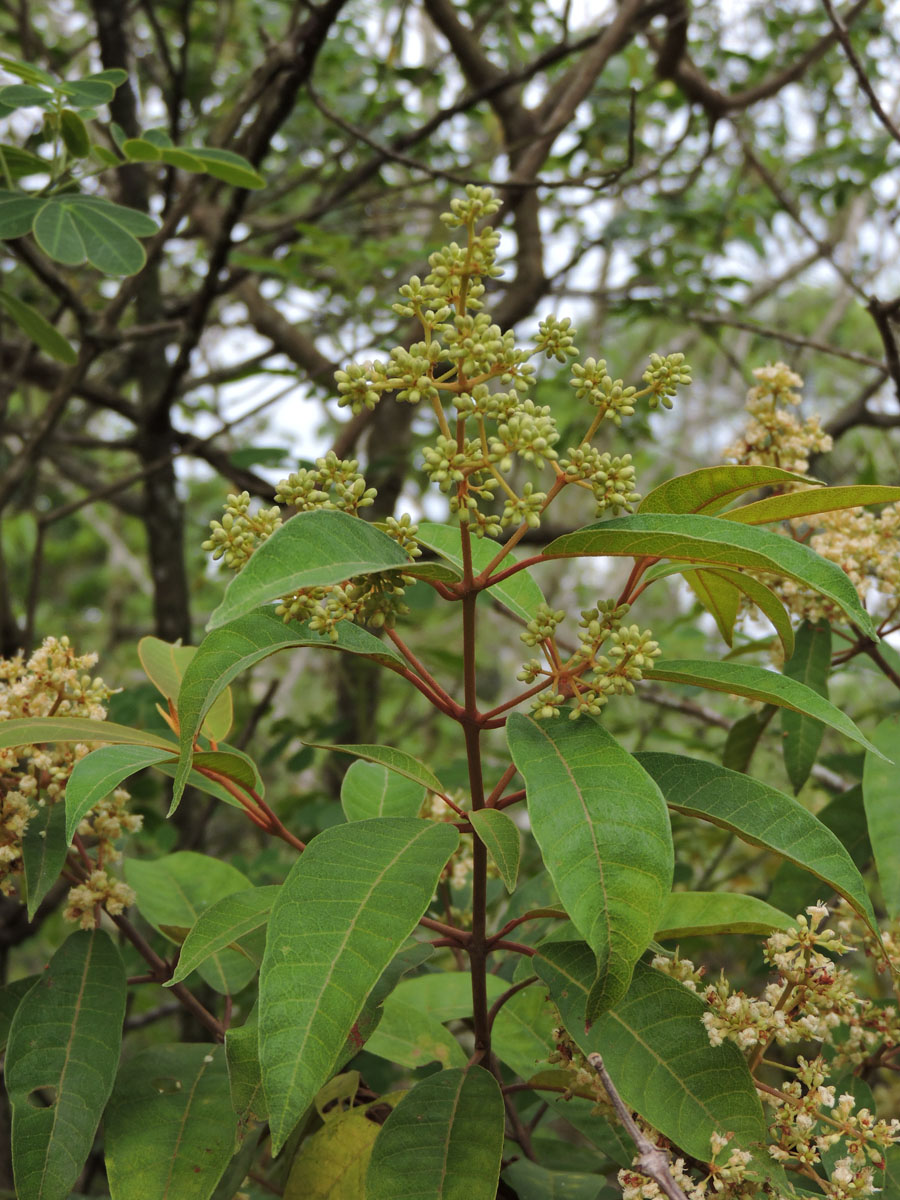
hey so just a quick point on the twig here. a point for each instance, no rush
(864, 82)
(651, 1161)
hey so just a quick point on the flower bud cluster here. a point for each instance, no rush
(863, 543)
(236, 536)
(611, 479)
(588, 678)
(96, 893)
(592, 383)
(664, 376)
(53, 681)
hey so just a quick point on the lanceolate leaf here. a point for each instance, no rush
(407, 1036)
(500, 835)
(63, 1052)
(11, 996)
(520, 594)
(443, 1141)
(603, 831)
(169, 1128)
(719, 597)
(174, 891)
(310, 550)
(701, 539)
(100, 772)
(802, 735)
(656, 1050)
(38, 328)
(346, 907)
(743, 738)
(811, 501)
(371, 790)
(28, 731)
(244, 1079)
(44, 848)
(222, 924)
(760, 815)
(395, 760)
(444, 995)
(690, 914)
(756, 683)
(880, 797)
(236, 647)
(165, 665)
(712, 488)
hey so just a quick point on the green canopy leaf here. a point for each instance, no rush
(371, 790)
(222, 924)
(172, 894)
(169, 1127)
(710, 540)
(411, 1038)
(880, 795)
(99, 773)
(603, 831)
(758, 683)
(802, 734)
(63, 1052)
(760, 815)
(312, 549)
(655, 1048)
(227, 652)
(453, 1154)
(711, 488)
(811, 501)
(44, 849)
(367, 882)
(700, 914)
(44, 335)
(17, 212)
(29, 731)
(500, 835)
(165, 664)
(394, 760)
(227, 166)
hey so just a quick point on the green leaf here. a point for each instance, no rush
(533, 1182)
(139, 150)
(244, 1078)
(812, 501)
(443, 1141)
(802, 735)
(44, 848)
(760, 815)
(407, 1036)
(444, 995)
(522, 1035)
(74, 134)
(743, 738)
(711, 488)
(370, 790)
(25, 95)
(11, 996)
(793, 889)
(132, 220)
(500, 835)
(368, 883)
(222, 924)
(169, 1128)
(719, 592)
(87, 93)
(182, 160)
(719, 596)
(227, 652)
(29, 731)
(332, 1164)
(699, 914)
(63, 1051)
(108, 244)
(757, 683)
(519, 594)
(44, 335)
(26, 71)
(115, 76)
(310, 550)
(603, 832)
(231, 764)
(174, 891)
(397, 761)
(710, 540)
(767, 603)
(227, 166)
(657, 1053)
(57, 234)
(880, 797)
(17, 212)
(165, 664)
(99, 773)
